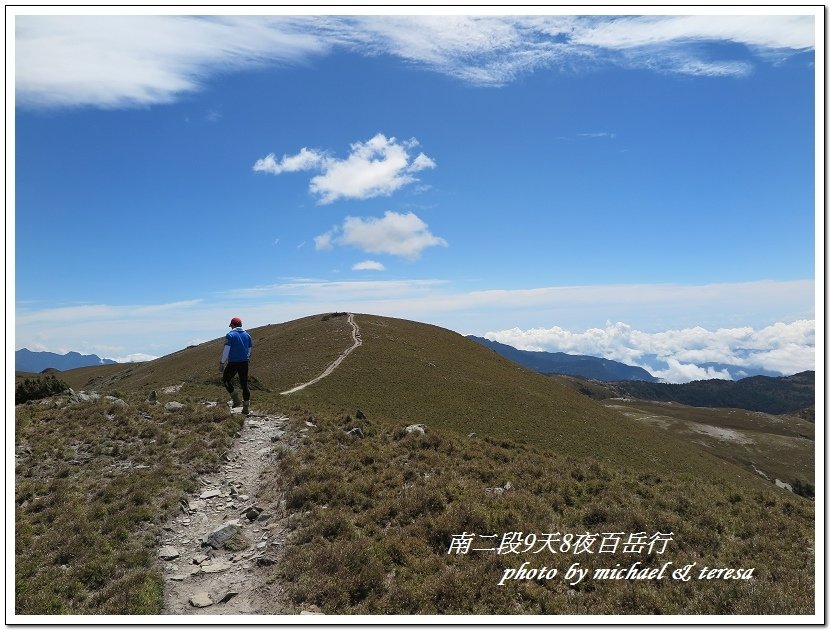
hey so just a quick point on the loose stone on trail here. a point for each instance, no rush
(201, 600)
(168, 553)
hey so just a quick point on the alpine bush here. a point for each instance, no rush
(37, 388)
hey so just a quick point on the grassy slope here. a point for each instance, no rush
(380, 511)
(93, 483)
(408, 373)
(284, 355)
(781, 446)
(377, 514)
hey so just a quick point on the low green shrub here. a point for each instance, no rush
(38, 388)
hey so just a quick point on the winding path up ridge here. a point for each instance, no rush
(357, 343)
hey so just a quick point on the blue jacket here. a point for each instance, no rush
(238, 344)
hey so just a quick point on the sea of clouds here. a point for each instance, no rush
(679, 356)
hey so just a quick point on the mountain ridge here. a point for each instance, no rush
(769, 394)
(586, 366)
(26, 360)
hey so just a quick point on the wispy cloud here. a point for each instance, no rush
(377, 167)
(128, 61)
(793, 32)
(118, 61)
(368, 265)
(404, 235)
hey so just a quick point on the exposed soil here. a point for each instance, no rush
(231, 579)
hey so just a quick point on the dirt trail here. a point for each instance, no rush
(204, 574)
(357, 343)
(203, 580)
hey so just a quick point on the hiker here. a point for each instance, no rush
(235, 357)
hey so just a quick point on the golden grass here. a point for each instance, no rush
(93, 483)
(380, 513)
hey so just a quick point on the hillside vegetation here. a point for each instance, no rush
(783, 394)
(503, 452)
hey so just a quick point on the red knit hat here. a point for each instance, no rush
(235, 322)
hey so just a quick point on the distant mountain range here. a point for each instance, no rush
(26, 360)
(570, 364)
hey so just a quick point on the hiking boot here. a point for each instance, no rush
(246, 407)
(235, 399)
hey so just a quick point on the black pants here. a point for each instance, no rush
(232, 369)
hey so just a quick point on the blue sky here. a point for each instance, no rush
(635, 186)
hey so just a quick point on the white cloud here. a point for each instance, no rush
(678, 372)
(420, 163)
(134, 358)
(781, 347)
(323, 242)
(128, 61)
(368, 265)
(377, 167)
(404, 235)
(305, 160)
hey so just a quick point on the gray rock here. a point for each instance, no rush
(83, 397)
(201, 600)
(219, 536)
(168, 553)
(253, 513)
(360, 415)
(356, 432)
(118, 402)
(153, 397)
(173, 406)
(783, 484)
(199, 558)
(416, 428)
(209, 494)
(215, 567)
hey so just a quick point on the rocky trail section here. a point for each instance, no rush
(215, 554)
(357, 342)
